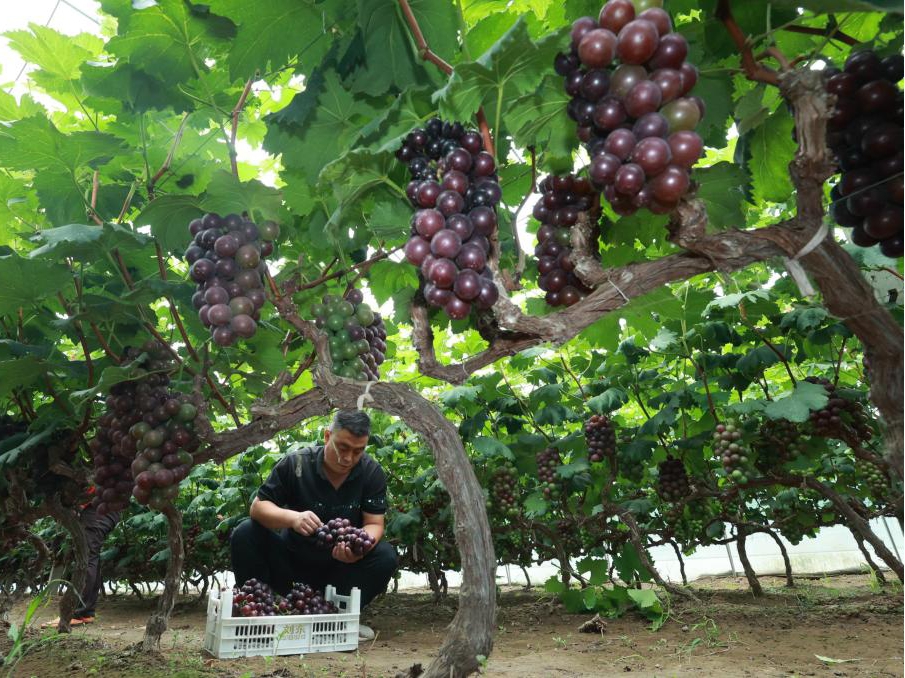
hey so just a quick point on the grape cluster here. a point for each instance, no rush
(732, 451)
(672, 485)
(504, 488)
(356, 335)
(342, 531)
(456, 189)
(601, 437)
(562, 199)
(840, 415)
(226, 260)
(144, 440)
(865, 133)
(637, 119)
(779, 442)
(547, 462)
(302, 599)
(877, 481)
(256, 599)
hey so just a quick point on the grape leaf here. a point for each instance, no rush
(169, 217)
(57, 56)
(722, 189)
(539, 119)
(805, 398)
(35, 144)
(772, 149)
(717, 92)
(19, 278)
(80, 240)
(490, 448)
(271, 32)
(510, 68)
(609, 400)
(226, 194)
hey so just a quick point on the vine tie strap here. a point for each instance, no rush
(795, 269)
(364, 396)
(618, 290)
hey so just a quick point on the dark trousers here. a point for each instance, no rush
(96, 530)
(263, 554)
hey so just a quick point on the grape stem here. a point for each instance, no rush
(827, 32)
(425, 52)
(291, 286)
(753, 70)
(152, 182)
(235, 125)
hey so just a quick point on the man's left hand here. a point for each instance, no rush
(344, 554)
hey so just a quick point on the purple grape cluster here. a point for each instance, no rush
(672, 484)
(840, 416)
(456, 189)
(504, 489)
(547, 462)
(342, 531)
(226, 260)
(865, 133)
(356, 335)
(256, 599)
(637, 119)
(144, 440)
(601, 438)
(562, 199)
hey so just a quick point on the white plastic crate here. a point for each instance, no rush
(226, 636)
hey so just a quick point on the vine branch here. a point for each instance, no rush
(752, 68)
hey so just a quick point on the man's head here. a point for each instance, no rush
(345, 440)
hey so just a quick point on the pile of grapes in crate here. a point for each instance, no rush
(256, 599)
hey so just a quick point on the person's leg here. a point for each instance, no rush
(371, 574)
(97, 527)
(259, 553)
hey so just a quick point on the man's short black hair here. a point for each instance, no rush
(356, 422)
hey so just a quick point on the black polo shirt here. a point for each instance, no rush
(298, 482)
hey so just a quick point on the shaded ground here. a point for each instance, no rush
(856, 627)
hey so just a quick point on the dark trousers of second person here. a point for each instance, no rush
(260, 553)
(97, 527)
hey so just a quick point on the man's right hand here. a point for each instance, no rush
(306, 522)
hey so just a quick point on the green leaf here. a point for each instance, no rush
(772, 149)
(539, 120)
(717, 92)
(805, 398)
(81, 241)
(491, 448)
(392, 64)
(271, 32)
(20, 373)
(26, 281)
(167, 39)
(35, 144)
(226, 194)
(828, 6)
(722, 189)
(387, 277)
(554, 585)
(58, 56)
(535, 505)
(169, 218)
(608, 401)
(510, 68)
(589, 597)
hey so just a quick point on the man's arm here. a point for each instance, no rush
(373, 524)
(273, 517)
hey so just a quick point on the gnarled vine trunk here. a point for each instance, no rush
(159, 620)
(69, 519)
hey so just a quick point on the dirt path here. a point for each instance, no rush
(730, 634)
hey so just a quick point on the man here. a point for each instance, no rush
(304, 490)
(96, 527)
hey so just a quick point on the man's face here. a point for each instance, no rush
(342, 450)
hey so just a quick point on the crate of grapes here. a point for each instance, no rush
(327, 623)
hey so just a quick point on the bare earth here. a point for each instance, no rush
(856, 628)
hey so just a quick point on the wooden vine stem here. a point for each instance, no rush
(158, 621)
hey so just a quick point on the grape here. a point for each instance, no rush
(467, 285)
(580, 28)
(609, 113)
(428, 222)
(645, 97)
(341, 531)
(446, 244)
(681, 114)
(456, 308)
(670, 185)
(669, 80)
(629, 179)
(652, 154)
(670, 53)
(734, 454)
(620, 143)
(595, 84)
(672, 481)
(659, 18)
(650, 125)
(637, 42)
(615, 14)
(686, 147)
(416, 249)
(547, 462)
(625, 77)
(460, 224)
(597, 48)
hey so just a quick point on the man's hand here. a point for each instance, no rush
(306, 522)
(344, 554)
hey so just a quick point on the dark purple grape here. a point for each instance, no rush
(489, 294)
(443, 273)
(564, 64)
(484, 220)
(609, 113)
(621, 143)
(886, 223)
(193, 253)
(637, 42)
(226, 245)
(456, 308)
(882, 140)
(467, 285)
(689, 77)
(624, 78)
(615, 14)
(864, 65)
(659, 18)
(416, 249)
(219, 314)
(653, 155)
(669, 80)
(572, 83)
(428, 192)
(446, 244)
(471, 256)
(645, 97)
(843, 85)
(450, 202)
(650, 125)
(201, 270)
(211, 220)
(893, 247)
(216, 295)
(602, 171)
(671, 52)
(597, 48)
(629, 179)
(686, 148)
(224, 336)
(484, 165)
(670, 185)
(428, 222)
(595, 84)
(226, 269)
(893, 67)
(455, 180)
(459, 160)
(243, 326)
(195, 227)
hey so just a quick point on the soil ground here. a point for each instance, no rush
(832, 626)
